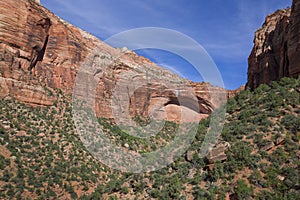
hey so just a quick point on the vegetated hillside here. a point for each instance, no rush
(41, 156)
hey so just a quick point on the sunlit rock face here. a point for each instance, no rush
(276, 51)
(39, 53)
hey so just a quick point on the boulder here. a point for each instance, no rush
(267, 146)
(217, 153)
(279, 140)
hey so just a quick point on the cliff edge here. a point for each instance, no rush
(41, 54)
(276, 51)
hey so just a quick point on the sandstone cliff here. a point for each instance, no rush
(40, 53)
(276, 52)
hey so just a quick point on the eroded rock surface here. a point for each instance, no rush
(40, 53)
(217, 152)
(276, 51)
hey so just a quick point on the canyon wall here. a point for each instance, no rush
(40, 55)
(276, 51)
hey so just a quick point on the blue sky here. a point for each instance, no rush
(224, 28)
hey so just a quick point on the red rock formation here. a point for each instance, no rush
(276, 52)
(233, 93)
(39, 52)
(294, 40)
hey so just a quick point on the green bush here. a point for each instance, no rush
(291, 122)
(243, 191)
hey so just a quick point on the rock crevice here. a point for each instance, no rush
(38, 52)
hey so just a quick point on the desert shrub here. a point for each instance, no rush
(201, 194)
(291, 122)
(217, 172)
(261, 89)
(255, 178)
(231, 105)
(243, 191)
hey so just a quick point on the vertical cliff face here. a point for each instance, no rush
(276, 50)
(268, 60)
(294, 40)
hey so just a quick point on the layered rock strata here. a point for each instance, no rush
(41, 54)
(276, 51)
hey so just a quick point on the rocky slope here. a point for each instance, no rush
(40, 53)
(42, 157)
(276, 51)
